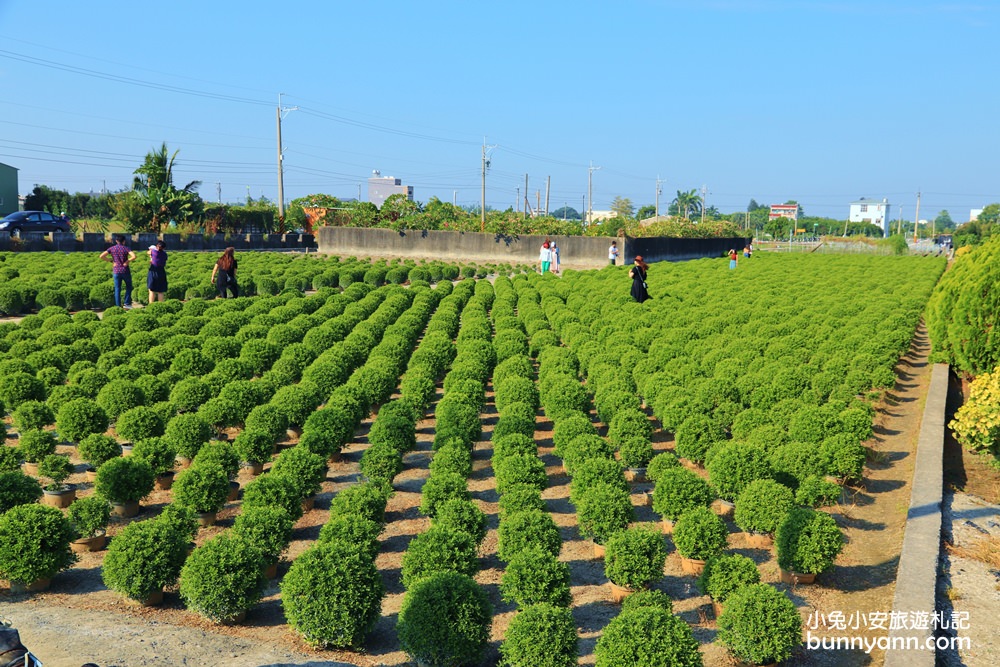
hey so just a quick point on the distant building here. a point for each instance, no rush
(790, 211)
(873, 212)
(974, 214)
(8, 189)
(597, 216)
(382, 187)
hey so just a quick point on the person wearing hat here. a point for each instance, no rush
(156, 280)
(638, 275)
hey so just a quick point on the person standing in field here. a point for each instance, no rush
(120, 255)
(156, 280)
(545, 257)
(555, 257)
(224, 273)
(613, 253)
(732, 258)
(638, 275)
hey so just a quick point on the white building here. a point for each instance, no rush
(974, 214)
(873, 212)
(382, 187)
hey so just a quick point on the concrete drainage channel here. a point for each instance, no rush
(916, 577)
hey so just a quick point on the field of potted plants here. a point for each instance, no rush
(745, 389)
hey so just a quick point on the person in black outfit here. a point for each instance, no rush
(224, 274)
(638, 275)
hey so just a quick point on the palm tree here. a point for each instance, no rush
(687, 202)
(154, 182)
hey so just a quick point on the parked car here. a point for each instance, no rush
(33, 221)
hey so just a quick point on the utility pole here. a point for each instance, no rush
(281, 170)
(517, 198)
(583, 209)
(486, 165)
(538, 202)
(218, 191)
(548, 184)
(527, 203)
(916, 217)
(659, 191)
(704, 191)
(590, 191)
(359, 192)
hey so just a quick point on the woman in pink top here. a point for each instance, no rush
(120, 255)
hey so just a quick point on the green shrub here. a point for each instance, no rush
(700, 534)
(629, 424)
(814, 491)
(520, 497)
(540, 635)
(353, 529)
(254, 446)
(267, 419)
(89, 515)
(520, 530)
(223, 578)
(16, 488)
(760, 625)
(454, 457)
(187, 433)
(762, 506)
(95, 449)
(844, 457)
(180, 519)
(140, 423)
(808, 541)
(124, 480)
(659, 464)
(190, 393)
(118, 396)
(267, 529)
(648, 598)
(795, 461)
(34, 543)
(727, 574)
(604, 510)
(516, 390)
(395, 430)
(145, 557)
(536, 576)
(57, 468)
(695, 436)
(220, 452)
(647, 636)
(33, 415)
(273, 491)
(567, 429)
(439, 549)
(332, 595)
(10, 459)
(592, 471)
(203, 488)
(381, 462)
(445, 620)
(519, 469)
(679, 490)
(19, 387)
(365, 500)
(439, 488)
(514, 425)
(583, 448)
(634, 558)
(306, 469)
(79, 418)
(36, 445)
(734, 466)
(464, 516)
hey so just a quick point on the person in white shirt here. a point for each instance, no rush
(545, 257)
(555, 257)
(613, 253)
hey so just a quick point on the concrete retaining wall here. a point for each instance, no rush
(574, 251)
(916, 576)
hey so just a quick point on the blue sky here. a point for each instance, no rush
(822, 102)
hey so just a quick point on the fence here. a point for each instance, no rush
(98, 242)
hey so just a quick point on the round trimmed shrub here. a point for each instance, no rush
(583, 448)
(33, 415)
(445, 620)
(700, 534)
(679, 490)
(541, 635)
(763, 506)
(844, 457)
(439, 488)
(189, 394)
(464, 516)
(695, 436)
(332, 595)
(760, 625)
(124, 480)
(808, 541)
(79, 418)
(203, 487)
(181, 519)
(519, 498)
(564, 397)
(220, 452)
(145, 557)
(267, 419)
(454, 457)
(187, 433)
(636, 452)
(524, 529)
(439, 549)
(34, 543)
(592, 471)
(365, 500)
(814, 491)
(353, 529)
(306, 469)
(16, 488)
(18, 387)
(536, 576)
(514, 424)
(254, 446)
(381, 462)
(659, 464)
(604, 510)
(10, 459)
(519, 469)
(647, 636)
(273, 490)
(118, 396)
(395, 430)
(628, 424)
(223, 578)
(89, 515)
(634, 558)
(139, 423)
(513, 444)
(516, 390)
(735, 466)
(267, 529)
(36, 445)
(648, 598)
(95, 449)
(220, 412)
(568, 429)
(727, 574)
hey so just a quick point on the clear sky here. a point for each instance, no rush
(821, 102)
